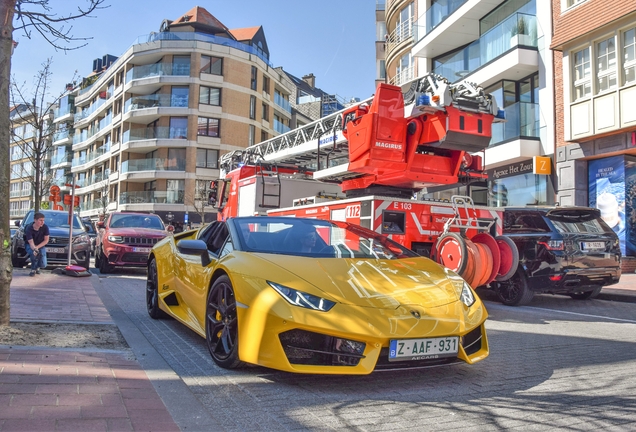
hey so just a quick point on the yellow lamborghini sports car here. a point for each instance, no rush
(313, 296)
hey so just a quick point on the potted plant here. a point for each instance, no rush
(520, 32)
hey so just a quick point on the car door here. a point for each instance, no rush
(193, 279)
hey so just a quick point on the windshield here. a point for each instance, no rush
(123, 220)
(56, 219)
(315, 238)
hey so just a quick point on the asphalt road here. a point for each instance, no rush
(556, 364)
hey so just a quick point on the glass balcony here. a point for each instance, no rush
(59, 136)
(522, 121)
(280, 127)
(380, 5)
(517, 30)
(154, 164)
(89, 110)
(63, 181)
(216, 40)
(61, 158)
(106, 121)
(157, 69)
(59, 112)
(160, 132)
(282, 102)
(154, 197)
(155, 101)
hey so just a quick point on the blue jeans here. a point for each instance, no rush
(39, 260)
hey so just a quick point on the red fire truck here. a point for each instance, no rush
(365, 164)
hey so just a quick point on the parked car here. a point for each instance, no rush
(314, 296)
(125, 240)
(57, 248)
(91, 232)
(13, 231)
(562, 250)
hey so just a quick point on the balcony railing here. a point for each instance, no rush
(404, 76)
(160, 132)
(61, 158)
(434, 16)
(380, 5)
(154, 164)
(282, 102)
(216, 40)
(15, 194)
(59, 112)
(401, 33)
(90, 110)
(95, 178)
(517, 30)
(59, 136)
(522, 121)
(157, 69)
(154, 101)
(153, 197)
(280, 127)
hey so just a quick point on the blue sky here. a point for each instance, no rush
(333, 39)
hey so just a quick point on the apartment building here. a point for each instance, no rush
(146, 129)
(21, 167)
(503, 46)
(595, 78)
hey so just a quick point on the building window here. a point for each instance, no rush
(179, 96)
(629, 56)
(263, 136)
(210, 95)
(253, 80)
(252, 133)
(150, 186)
(252, 107)
(181, 65)
(582, 73)
(606, 61)
(178, 127)
(265, 84)
(209, 127)
(265, 111)
(207, 158)
(571, 3)
(382, 72)
(211, 65)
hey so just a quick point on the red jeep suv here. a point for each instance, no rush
(125, 240)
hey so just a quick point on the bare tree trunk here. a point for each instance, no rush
(6, 45)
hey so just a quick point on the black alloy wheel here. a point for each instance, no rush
(514, 291)
(15, 261)
(221, 324)
(152, 292)
(584, 295)
(104, 267)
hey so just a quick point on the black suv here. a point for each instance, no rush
(562, 250)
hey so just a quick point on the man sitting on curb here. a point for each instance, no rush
(36, 236)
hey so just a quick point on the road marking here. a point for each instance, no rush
(582, 314)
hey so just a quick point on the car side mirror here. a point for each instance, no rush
(195, 247)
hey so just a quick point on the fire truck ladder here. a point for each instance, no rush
(270, 179)
(321, 147)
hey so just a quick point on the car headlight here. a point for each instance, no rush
(467, 296)
(82, 238)
(302, 299)
(116, 239)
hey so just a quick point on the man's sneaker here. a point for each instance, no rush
(32, 273)
(37, 271)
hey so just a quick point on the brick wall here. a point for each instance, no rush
(586, 17)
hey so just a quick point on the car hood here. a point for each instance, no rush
(137, 232)
(376, 283)
(62, 232)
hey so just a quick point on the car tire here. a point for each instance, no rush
(15, 261)
(104, 267)
(87, 263)
(152, 292)
(584, 295)
(221, 324)
(515, 291)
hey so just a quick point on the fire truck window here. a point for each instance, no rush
(393, 222)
